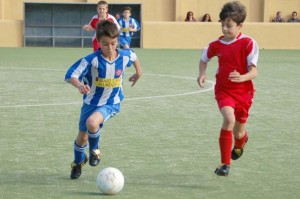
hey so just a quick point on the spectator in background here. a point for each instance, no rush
(117, 16)
(278, 17)
(206, 18)
(294, 18)
(190, 17)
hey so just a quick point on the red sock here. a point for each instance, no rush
(239, 143)
(225, 142)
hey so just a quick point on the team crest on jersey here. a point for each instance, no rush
(118, 72)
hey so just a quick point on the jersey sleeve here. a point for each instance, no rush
(77, 70)
(252, 51)
(94, 21)
(136, 25)
(131, 56)
(113, 19)
(204, 56)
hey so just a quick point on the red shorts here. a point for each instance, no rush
(241, 103)
(96, 44)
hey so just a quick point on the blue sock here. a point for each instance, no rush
(79, 154)
(94, 139)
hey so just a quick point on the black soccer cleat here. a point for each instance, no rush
(76, 168)
(237, 153)
(95, 157)
(222, 170)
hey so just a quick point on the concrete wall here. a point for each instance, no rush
(198, 35)
(164, 18)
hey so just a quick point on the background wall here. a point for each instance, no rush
(162, 25)
(198, 35)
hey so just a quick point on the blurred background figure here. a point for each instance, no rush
(117, 16)
(294, 18)
(190, 17)
(206, 18)
(278, 17)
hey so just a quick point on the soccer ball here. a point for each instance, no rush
(110, 180)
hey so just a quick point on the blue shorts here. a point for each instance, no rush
(107, 111)
(124, 40)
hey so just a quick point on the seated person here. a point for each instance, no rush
(190, 17)
(278, 17)
(294, 18)
(206, 18)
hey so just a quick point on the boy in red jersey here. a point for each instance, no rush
(102, 10)
(234, 91)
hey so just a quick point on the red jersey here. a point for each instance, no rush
(237, 55)
(95, 19)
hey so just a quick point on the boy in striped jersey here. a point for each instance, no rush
(99, 77)
(234, 90)
(128, 26)
(102, 14)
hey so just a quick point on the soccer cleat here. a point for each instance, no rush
(76, 168)
(222, 170)
(95, 157)
(237, 153)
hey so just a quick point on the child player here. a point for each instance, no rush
(102, 10)
(99, 77)
(128, 26)
(234, 91)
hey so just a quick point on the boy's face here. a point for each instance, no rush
(126, 14)
(102, 10)
(230, 29)
(108, 45)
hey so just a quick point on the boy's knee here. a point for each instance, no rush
(92, 125)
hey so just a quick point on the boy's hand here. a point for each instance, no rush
(87, 28)
(134, 78)
(84, 89)
(201, 80)
(235, 76)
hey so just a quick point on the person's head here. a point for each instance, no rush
(102, 9)
(126, 12)
(117, 15)
(189, 16)
(206, 17)
(278, 14)
(107, 35)
(232, 16)
(294, 14)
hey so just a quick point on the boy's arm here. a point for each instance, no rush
(83, 89)
(237, 77)
(202, 73)
(138, 72)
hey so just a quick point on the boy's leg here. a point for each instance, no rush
(96, 45)
(239, 133)
(80, 158)
(240, 139)
(93, 124)
(225, 140)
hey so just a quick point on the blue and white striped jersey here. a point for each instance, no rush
(125, 24)
(105, 78)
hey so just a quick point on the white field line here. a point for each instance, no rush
(211, 87)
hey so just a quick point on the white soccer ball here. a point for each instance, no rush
(110, 180)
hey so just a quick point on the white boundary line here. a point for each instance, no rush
(211, 87)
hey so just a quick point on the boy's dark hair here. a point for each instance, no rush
(106, 28)
(102, 3)
(234, 10)
(127, 8)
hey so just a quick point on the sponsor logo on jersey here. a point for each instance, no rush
(108, 83)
